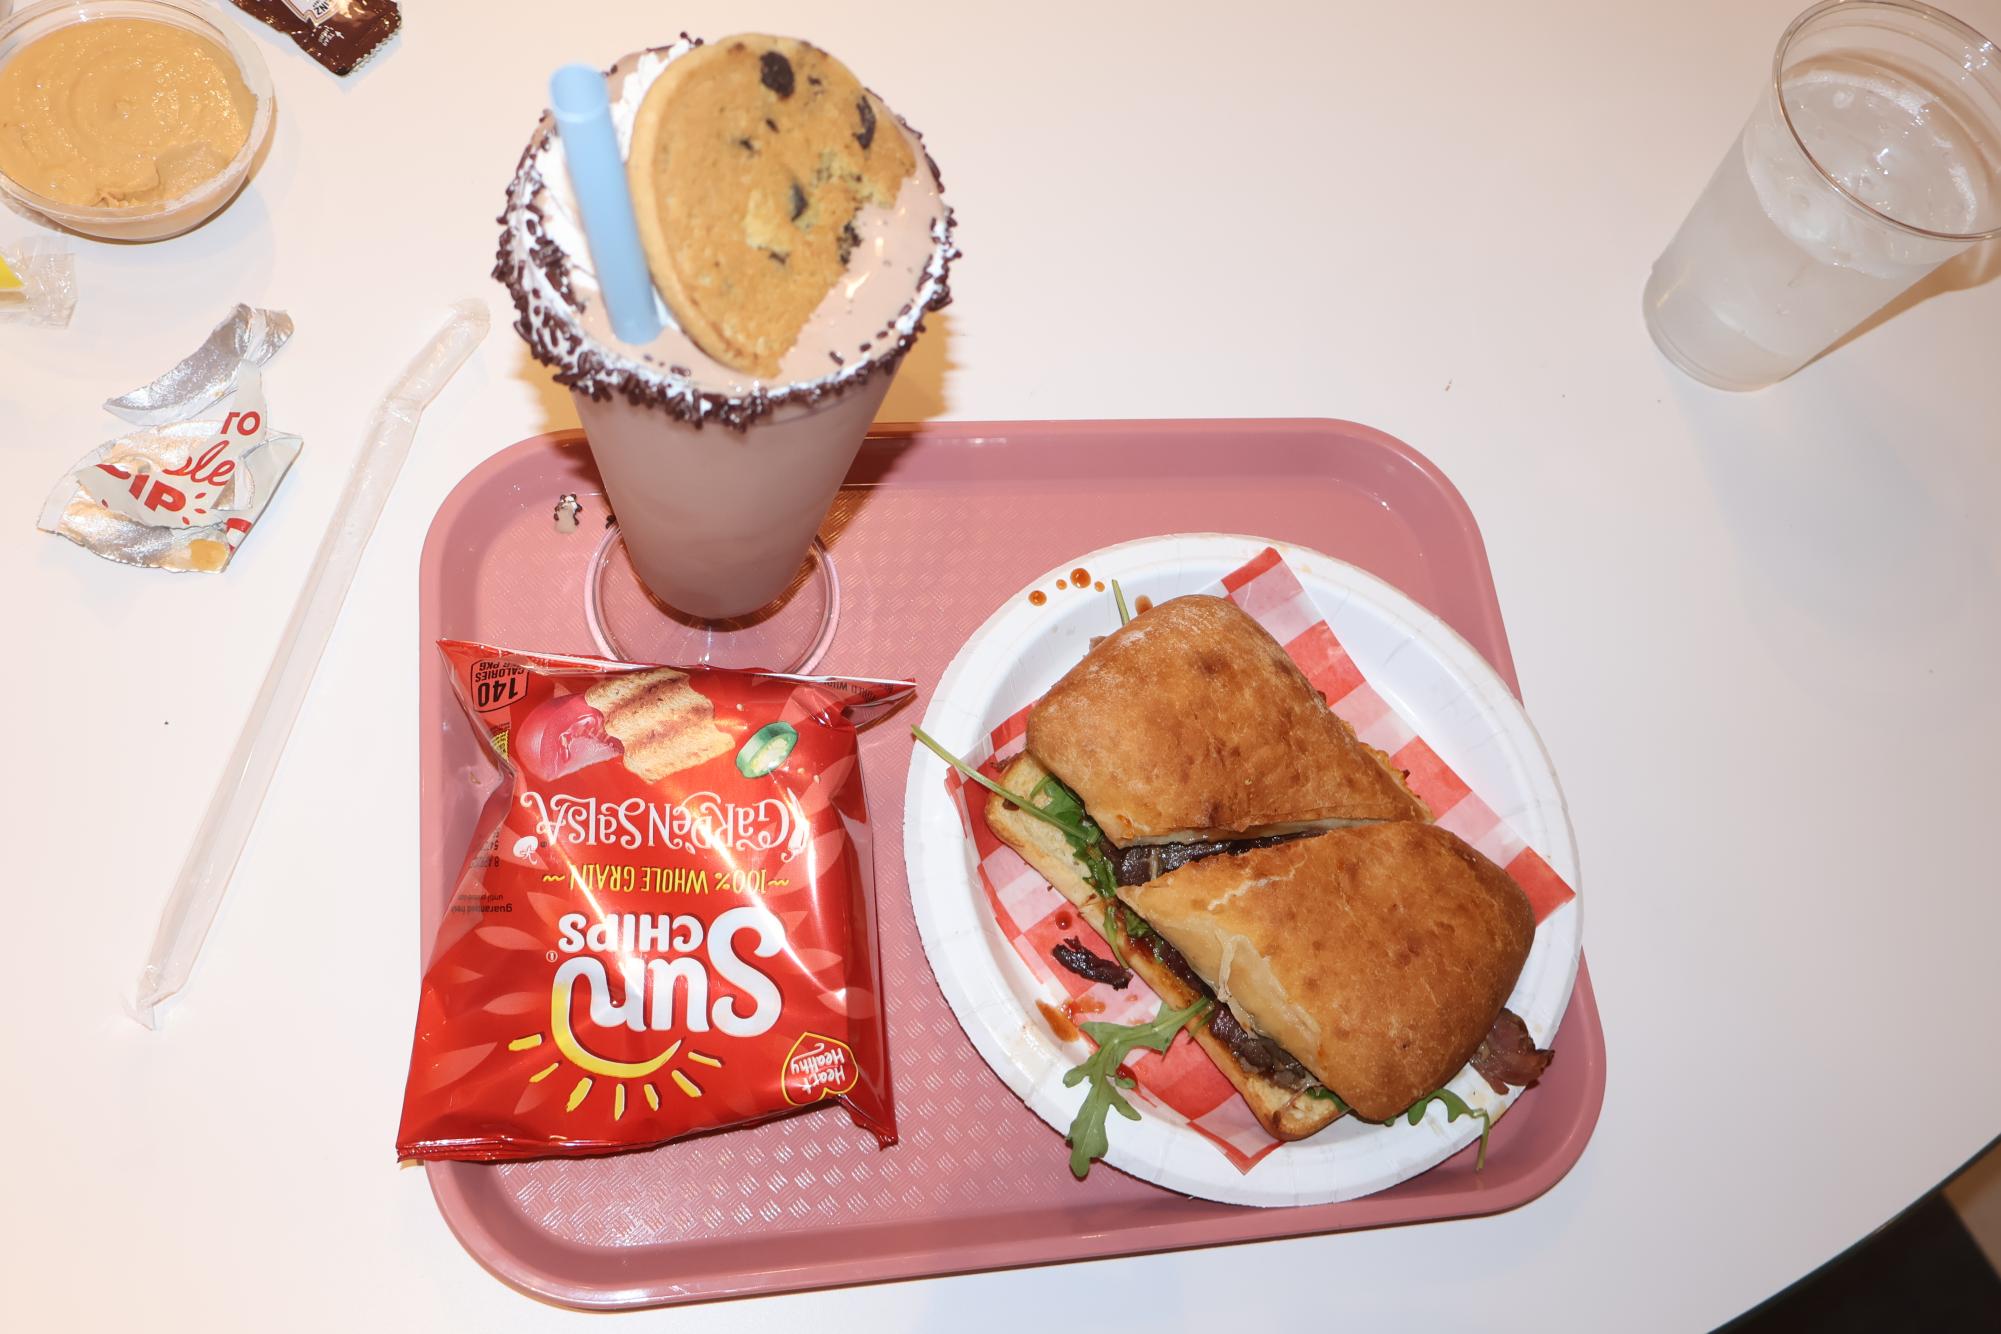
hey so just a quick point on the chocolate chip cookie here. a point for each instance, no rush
(750, 158)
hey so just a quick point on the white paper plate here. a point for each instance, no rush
(1435, 679)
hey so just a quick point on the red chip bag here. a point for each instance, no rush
(666, 922)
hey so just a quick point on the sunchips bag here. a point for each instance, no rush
(666, 922)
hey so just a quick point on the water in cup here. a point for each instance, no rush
(1773, 264)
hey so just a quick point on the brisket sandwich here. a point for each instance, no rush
(1240, 843)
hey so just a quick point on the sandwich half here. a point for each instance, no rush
(1190, 724)
(1286, 1099)
(1379, 957)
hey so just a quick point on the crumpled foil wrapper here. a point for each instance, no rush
(182, 492)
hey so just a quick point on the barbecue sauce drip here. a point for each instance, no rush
(1059, 1022)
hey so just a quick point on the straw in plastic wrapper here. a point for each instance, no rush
(37, 279)
(204, 876)
(183, 491)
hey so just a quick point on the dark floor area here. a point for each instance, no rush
(1922, 1272)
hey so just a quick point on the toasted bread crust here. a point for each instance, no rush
(1284, 1113)
(1192, 722)
(1378, 956)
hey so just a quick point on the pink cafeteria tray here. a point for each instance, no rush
(939, 524)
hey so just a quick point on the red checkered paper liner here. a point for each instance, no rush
(1183, 1086)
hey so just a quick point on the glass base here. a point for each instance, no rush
(791, 634)
(1694, 370)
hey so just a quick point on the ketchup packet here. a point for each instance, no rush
(666, 922)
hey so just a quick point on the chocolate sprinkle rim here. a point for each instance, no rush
(554, 338)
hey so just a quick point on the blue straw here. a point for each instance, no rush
(583, 113)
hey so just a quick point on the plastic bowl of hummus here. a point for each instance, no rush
(128, 120)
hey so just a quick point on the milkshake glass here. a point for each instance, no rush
(715, 521)
(720, 480)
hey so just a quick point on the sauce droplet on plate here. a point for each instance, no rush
(1059, 1022)
(1037, 598)
(1142, 603)
(1061, 584)
(1100, 586)
(1080, 576)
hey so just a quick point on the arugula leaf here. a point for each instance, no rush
(1455, 1107)
(1119, 596)
(1082, 832)
(1069, 829)
(1111, 934)
(1118, 921)
(1056, 805)
(1066, 806)
(1087, 1138)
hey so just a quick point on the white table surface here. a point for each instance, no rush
(1759, 635)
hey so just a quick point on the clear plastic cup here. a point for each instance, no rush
(154, 221)
(1873, 156)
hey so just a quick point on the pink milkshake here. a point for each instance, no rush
(720, 478)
